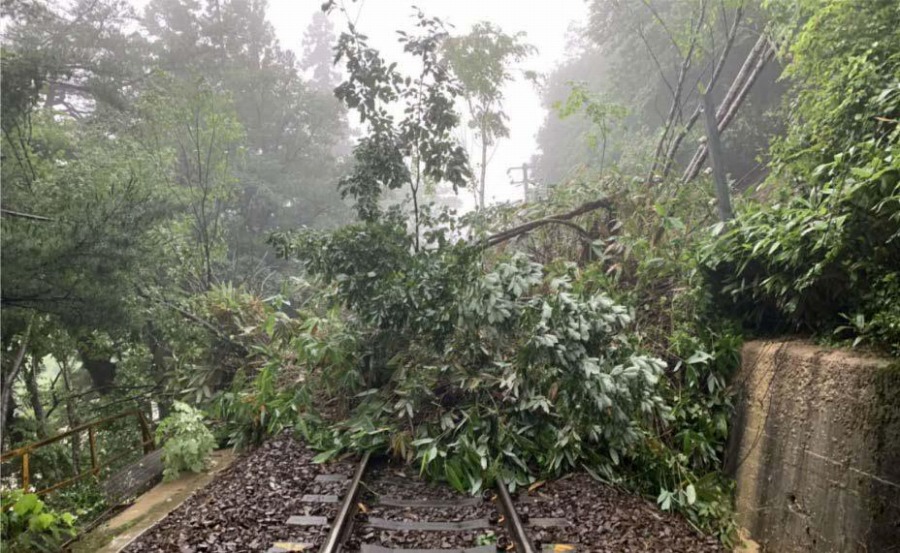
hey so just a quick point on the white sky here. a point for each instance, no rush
(545, 22)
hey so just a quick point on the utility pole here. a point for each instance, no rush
(524, 181)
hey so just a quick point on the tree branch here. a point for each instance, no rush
(561, 219)
(10, 213)
(197, 319)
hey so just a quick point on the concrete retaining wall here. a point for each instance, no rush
(815, 449)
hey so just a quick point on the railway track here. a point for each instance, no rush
(382, 510)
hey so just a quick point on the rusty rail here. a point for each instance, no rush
(340, 527)
(25, 452)
(513, 521)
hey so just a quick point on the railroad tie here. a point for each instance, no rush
(372, 548)
(306, 520)
(427, 526)
(389, 501)
(547, 522)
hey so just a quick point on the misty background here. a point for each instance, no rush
(547, 25)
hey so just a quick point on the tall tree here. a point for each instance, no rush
(318, 52)
(292, 128)
(483, 62)
(193, 129)
(420, 147)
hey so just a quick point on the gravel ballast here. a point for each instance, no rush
(246, 507)
(607, 520)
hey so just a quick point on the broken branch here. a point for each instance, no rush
(561, 219)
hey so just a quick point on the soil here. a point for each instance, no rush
(246, 507)
(605, 519)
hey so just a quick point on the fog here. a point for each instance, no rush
(546, 24)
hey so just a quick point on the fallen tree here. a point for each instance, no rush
(761, 53)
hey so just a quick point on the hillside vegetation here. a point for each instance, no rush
(188, 229)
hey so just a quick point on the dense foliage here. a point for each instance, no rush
(479, 364)
(517, 369)
(819, 252)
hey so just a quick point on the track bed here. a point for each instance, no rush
(247, 506)
(439, 517)
(604, 519)
(276, 499)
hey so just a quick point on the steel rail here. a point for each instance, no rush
(513, 522)
(344, 517)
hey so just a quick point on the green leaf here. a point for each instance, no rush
(26, 504)
(691, 494)
(41, 522)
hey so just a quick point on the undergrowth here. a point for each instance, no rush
(818, 250)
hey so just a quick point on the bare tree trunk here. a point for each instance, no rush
(484, 148)
(723, 194)
(676, 106)
(9, 379)
(158, 350)
(717, 70)
(34, 394)
(71, 414)
(9, 418)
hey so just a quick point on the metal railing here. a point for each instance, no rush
(25, 452)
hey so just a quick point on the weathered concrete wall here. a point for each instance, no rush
(815, 449)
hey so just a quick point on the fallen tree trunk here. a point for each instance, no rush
(756, 61)
(561, 219)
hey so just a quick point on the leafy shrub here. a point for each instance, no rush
(252, 412)
(265, 403)
(811, 266)
(186, 441)
(29, 525)
(533, 377)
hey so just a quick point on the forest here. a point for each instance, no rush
(234, 239)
